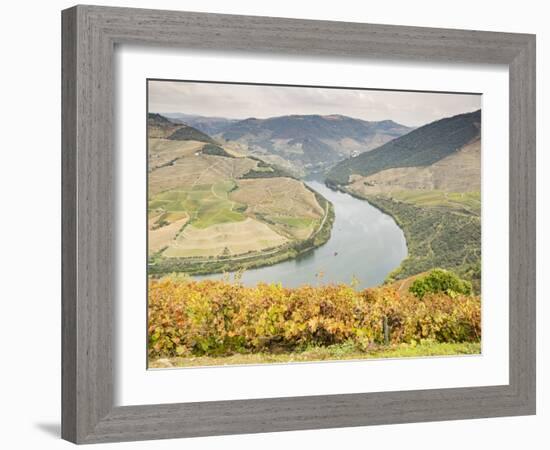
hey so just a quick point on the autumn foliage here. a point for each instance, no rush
(218, 317)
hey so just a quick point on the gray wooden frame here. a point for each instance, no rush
(89, 37)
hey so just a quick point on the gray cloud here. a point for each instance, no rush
(243, 101)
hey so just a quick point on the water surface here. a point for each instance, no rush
(365, 243)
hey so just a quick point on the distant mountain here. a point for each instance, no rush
(187, 133)
(312, 142)
(321, 127)
(421, 147)
(161, 127)
(208, 125)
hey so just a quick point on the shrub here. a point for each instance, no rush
(209, 317)
(439, 280)
(215, 150)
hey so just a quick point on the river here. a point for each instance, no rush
(365, 243)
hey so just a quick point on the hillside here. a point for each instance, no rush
(311, 143)
(159, 121)
(423, 146)
(211, 209)
(429, 181)
(438, 234)
(458, 172)
(208, 125)
(161, 127)
(301, 144)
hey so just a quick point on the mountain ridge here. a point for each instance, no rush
(311, 143)
(323, 126)
(421, 147)
(160, 126)
(206, 124)
(300, 143)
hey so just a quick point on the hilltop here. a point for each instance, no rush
(161, 127)
(423, 146)
(330, 127)
(208, 125)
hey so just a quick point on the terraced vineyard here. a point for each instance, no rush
(465, 202)
(442, 230)
(205, 204)
(211, 209)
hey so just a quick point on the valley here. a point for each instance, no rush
(302, 223)
(236, 199)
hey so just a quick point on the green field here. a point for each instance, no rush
(253, 259)
(278, 219)
(441, 229)
(327, 353)
(206, 205)
(466, 202)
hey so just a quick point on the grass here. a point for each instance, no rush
(206, 204)
(190, 170)
(437, 235)
(467, 202)
(284, 203)
(297, 222)
(161, 236)
(334, 352)
(163, 152)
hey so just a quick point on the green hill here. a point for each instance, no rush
(208, 125)
(421, 147)
(187, 133)
(160, 126)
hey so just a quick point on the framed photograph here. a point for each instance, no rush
(267, 222)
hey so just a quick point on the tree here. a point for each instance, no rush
(440, 280)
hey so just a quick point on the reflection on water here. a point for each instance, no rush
(365, 243)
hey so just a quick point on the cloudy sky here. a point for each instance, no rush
(244, 101)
